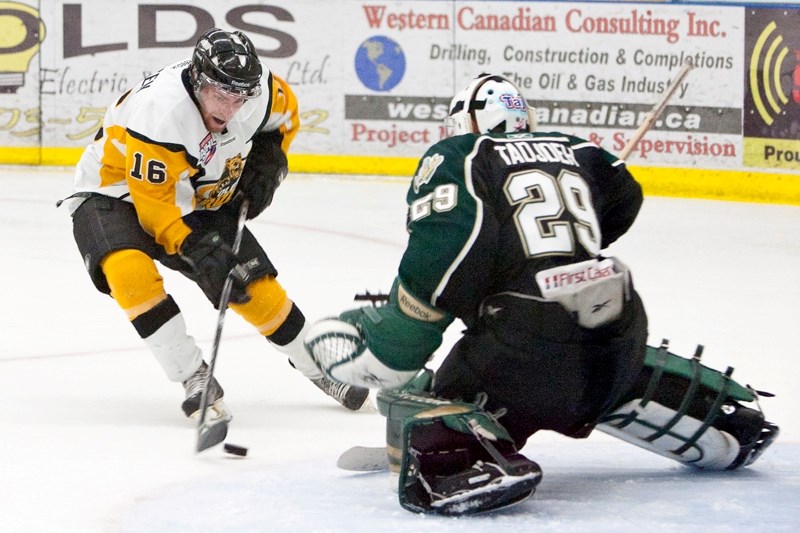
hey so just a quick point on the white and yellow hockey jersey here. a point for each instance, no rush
(155, 151)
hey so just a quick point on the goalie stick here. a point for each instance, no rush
(374, 459)
(211, 433)
(364, 459)
(657, 109)
(375, 299)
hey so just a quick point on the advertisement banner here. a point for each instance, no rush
(594, 73)
(374, 78)
(772, 89)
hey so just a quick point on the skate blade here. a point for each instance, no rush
(216, 411)
(220, 411)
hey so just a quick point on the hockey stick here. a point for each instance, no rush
(214, 432)
(657, 109)
(364, 459)
(374, 299)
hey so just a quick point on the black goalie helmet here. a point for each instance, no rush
(227, 61)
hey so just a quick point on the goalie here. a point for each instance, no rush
(506, 231)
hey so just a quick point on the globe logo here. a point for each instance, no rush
(380, 63)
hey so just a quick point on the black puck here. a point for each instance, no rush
(235, 450)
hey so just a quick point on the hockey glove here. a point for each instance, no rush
(263, 172)
(212, 260)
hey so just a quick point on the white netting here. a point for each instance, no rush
(332, 342)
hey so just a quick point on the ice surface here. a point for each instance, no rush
(92, 437)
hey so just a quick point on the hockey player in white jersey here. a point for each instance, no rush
(164, 180)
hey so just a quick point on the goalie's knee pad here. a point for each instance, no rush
(690, 413)
(453, 458)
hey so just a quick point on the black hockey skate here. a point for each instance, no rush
(750, 429)
(349, 396)
(194, 392)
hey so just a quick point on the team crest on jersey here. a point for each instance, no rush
(221, 191)
(208, 147)
(426, 170)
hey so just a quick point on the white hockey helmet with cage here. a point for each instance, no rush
(490, 104)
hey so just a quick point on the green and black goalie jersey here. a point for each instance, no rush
(486, 213)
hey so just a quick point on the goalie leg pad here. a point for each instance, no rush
(690, 413)
(453, 458)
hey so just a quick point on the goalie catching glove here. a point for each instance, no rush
(374, 347)
(341, 353)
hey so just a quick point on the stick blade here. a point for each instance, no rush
(209, 435)
(364, 459)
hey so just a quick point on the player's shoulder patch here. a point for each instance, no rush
(426, 170)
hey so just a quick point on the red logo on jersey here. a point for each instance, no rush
(208, 147)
